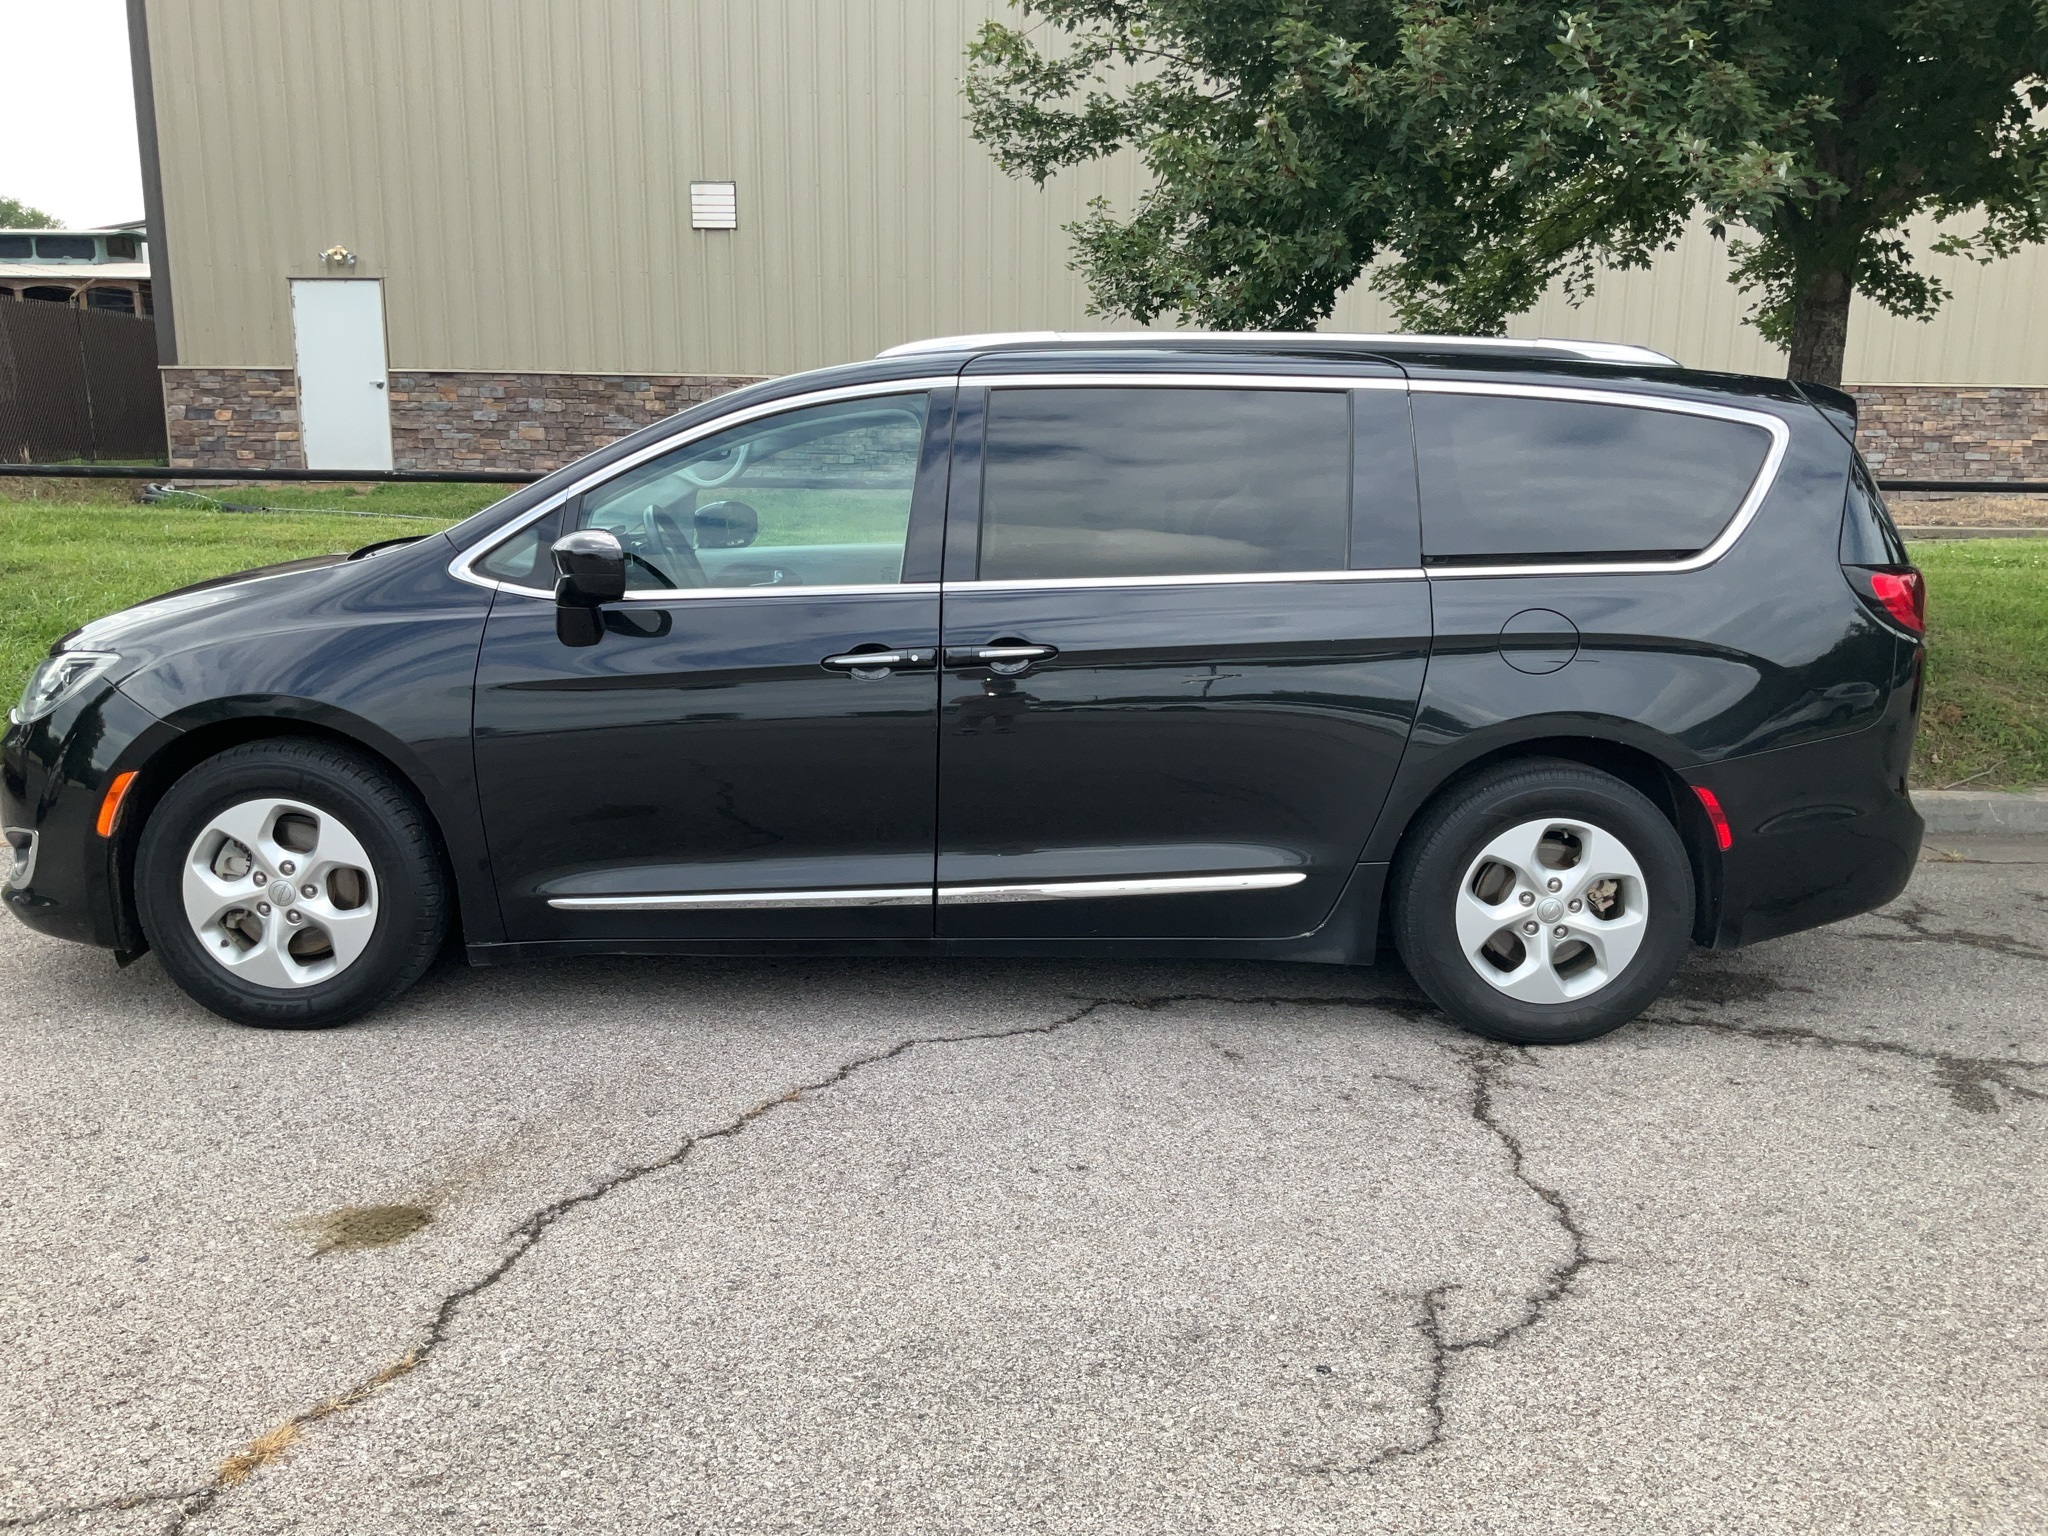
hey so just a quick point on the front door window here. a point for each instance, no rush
(817, 497)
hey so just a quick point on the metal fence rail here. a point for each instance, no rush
(78, 384)
(278, 476)
(519, 477)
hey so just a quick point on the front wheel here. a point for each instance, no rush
(1543, 903)
(290, 885)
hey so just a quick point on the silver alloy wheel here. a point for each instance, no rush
(280, 893)
(1551, 911)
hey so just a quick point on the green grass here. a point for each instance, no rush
(791, 518)
(65, 558)
(1985, 716)
(75, 552)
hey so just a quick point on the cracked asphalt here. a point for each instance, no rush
(781, 1246)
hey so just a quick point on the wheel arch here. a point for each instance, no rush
(219, 730)
(1654, 776)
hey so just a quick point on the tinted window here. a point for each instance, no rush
(65, 247)
(1164, 482)
(16, 247)
(524, 559)
(1868, 536)
(1521, 478)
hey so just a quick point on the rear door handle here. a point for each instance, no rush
(1005, 657)
(881, 663)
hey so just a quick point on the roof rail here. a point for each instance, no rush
(1591, 351)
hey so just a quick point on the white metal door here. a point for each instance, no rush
(344, 396)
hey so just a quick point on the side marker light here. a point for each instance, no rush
(110, 808)
(1711, 804)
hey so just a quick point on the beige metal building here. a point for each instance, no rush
(447, 233)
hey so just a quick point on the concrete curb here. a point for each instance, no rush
(1948, 812)
(1929, 534)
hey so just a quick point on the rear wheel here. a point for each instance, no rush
(1543, 903)
(290, 885)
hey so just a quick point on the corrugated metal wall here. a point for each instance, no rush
(518, 172)
(1994, 331)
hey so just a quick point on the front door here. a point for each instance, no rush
(344, 388)
(723, 763)
(1181, 656)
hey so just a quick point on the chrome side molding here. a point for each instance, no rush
(1085, 890)
(945, 895)
(737, 901)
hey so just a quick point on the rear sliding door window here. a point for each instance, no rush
(1508, 478)
(1102, 482)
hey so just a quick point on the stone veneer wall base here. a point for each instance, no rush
(1952, 432)
(248, 418)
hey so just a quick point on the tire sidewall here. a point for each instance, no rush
(1426, 923)
(407, 883)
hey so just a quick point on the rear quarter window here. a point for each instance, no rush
(1868, 534)
(1519, 479)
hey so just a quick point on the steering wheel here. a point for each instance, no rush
(651, 568)
(706, 482)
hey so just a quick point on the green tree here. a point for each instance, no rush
(1470, 152)
(15, 214)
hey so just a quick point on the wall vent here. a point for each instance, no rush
(714, 205)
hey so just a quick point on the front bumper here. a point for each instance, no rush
(74, 884)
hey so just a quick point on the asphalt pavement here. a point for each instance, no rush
(907, 1246)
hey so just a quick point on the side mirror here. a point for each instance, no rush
(590, 570)
(727, 525)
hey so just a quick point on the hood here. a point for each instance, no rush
(107, 632)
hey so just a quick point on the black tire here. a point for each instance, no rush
(1440, 850)
(410, 914)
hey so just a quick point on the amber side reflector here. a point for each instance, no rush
(110, 808)
(1711, 803)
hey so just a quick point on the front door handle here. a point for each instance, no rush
(1006, 658)
(880, 663)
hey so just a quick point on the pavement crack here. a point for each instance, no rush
(1412, 1009)
(1968, 1079)
(1441, 1348)
(1913, 915)
(115, 1505)
(525, 1237)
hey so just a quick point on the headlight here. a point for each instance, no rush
(57, 679)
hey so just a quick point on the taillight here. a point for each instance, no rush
(1900, 590)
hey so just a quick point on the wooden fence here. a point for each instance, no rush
(78, 384)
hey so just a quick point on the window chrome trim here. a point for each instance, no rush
(460, 566)
(675, 594)
(1745, 512)
(1254, 578)
(1085, 890)
(735, 901)
(1760, 488)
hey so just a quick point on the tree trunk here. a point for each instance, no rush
(1820, 328)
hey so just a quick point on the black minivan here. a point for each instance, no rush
(1539, 660)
